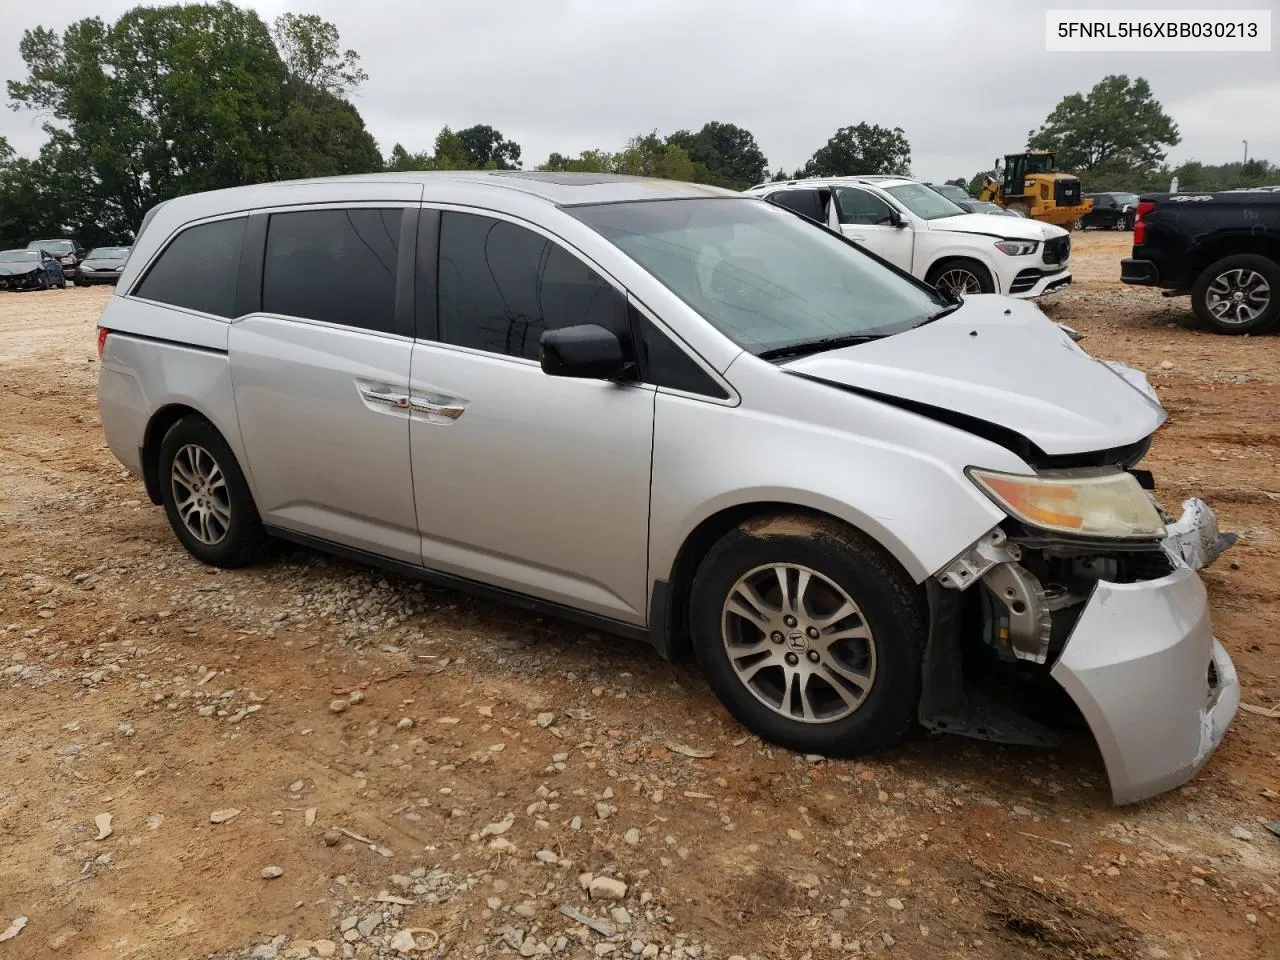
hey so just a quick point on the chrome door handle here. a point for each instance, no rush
(399, 401)
(449, 409)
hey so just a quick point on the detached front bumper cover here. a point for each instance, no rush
(1195, 538)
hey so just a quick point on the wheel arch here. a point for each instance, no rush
(1205, 254)
(669, 604)
(966, 257)
(161, 422)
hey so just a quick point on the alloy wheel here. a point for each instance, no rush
(799, 643)
(958, 281)
(1238, 296)
(200, 494)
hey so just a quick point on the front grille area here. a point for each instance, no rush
(1056, 250)
(1066, 191)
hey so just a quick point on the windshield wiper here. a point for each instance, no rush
(949, 308)
(804, 347)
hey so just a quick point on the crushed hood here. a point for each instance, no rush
(1004, 362)
(1011, 228)
(17, 269)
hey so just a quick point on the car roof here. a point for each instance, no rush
(872, 179)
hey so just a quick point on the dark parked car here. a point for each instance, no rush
(1221, 248)
(1111, 211)
(68, 252)
(30, 270)
(101, 265)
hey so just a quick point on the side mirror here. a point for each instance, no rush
(897, 219)
(587, 350)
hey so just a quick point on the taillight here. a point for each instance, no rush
(1139, 226)
(102, 340)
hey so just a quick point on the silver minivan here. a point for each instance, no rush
(689, 416)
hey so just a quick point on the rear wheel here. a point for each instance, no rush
(206, 497)
(810, 635)
(958, 277)
(1238, 294)
(1123, 222)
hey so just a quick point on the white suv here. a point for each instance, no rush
(918, 230)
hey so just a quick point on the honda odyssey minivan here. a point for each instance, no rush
(685, 415)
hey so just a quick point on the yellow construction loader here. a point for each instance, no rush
(1033, 188)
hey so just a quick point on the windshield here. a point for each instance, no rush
(761, 275)
(18, 256)
(108, 253)
(951, 191)
(56, 247)
(925, 202)
(1126, 198)
(1041, 163)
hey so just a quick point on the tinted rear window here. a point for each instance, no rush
(198, 269)
(335, 266)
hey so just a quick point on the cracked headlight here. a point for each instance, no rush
(1103, 503)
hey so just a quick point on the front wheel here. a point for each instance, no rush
(1123, 223)
(810, 635)
(205, 496)
(1238, 294)
(958, 277)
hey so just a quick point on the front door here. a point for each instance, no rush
(321, 380)
(868, 221)
(525, 481)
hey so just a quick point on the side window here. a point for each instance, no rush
(667, 365)
(198, 269)
(858, 206)
(806, 202)
(502, 285)
(335, 266)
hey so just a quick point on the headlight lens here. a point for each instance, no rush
(1017, 248)
(1107, 504)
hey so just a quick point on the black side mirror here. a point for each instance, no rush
(587, 350)
(897, 219)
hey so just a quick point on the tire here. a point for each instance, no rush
(44, 281)
(842, 567)
(1257, 282)
(941, 273)
(1077, 225)
(1123, 223)
(228, 532)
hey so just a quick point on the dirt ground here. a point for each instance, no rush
(481, 759)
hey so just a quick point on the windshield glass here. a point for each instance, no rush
(1039, 164)
(761, 275)
(924, 202)
(56, 247)
(18, 256)
(951, 191)
(109, 253)
(1129, 198)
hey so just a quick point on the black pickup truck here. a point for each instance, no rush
(1221, 248)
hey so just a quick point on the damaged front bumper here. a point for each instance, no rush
(1155, 687)
(1135, 653)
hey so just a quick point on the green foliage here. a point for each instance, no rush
(1117, 128)
(863, 149)
(1195, 176)
(308, 46)
(724, 155)
(648, 155)
(482, 148)
(402, 160)
(589, 161)
(781, 175)
(176, 99)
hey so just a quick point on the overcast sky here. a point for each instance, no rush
(966, 79)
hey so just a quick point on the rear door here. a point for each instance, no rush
(868, 221)
(321, 373)
(809, 202)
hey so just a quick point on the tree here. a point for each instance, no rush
(174, 99)
(648, 155)
(864, 149)
(781, 175)
(589, 161)
(1118, 126)
(449, 152)
(485, 149)
(308, 46)
(724, 155)
(402, 160)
